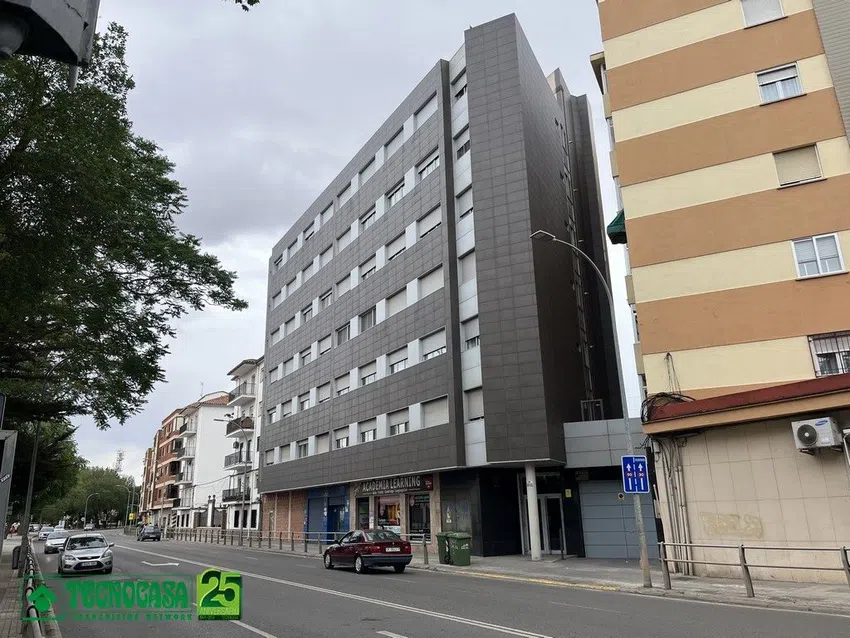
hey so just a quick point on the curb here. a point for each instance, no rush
(51, 627)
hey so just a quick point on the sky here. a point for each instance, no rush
(260, 110)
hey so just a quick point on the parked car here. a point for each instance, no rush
(44, 532)
(55, 540)
(367, 548)
(151, 532)
(89, 527)
(84, 553)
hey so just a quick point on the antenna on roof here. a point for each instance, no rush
(202, 388)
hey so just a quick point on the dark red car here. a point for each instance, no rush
(367, 548)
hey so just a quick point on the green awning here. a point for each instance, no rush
(617, 229)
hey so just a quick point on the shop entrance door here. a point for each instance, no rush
(549, 529)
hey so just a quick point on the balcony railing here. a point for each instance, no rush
(243, 393)
(237, 458)
(235, 494)
(185, 477)
(238, 426)
(188, 451)
(190, 427)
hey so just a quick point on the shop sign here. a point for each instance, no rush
(396, 485)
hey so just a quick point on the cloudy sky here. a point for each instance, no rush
(260, 110)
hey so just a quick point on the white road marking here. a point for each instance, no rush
(389, 634)
(144, 562)
(609, 611)
(259, 632)
(374, 601)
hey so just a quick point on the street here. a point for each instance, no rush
(285, 595)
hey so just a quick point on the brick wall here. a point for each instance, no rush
(288, 511)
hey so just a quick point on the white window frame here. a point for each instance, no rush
(400, 428)
(428, 165)
(338, 331)
(326, 299)
(330, 341)
(309, 232)
(367, 436)
(809, 180)
(373, 312)
(781, 98)
(368, 219)
(755, 24)
(838, 336)
(306, 314)
(340, 439)
(813, 239)
(305, 357)
(304, 402)
(304, 446)
(395, 194)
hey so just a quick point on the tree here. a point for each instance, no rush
(108, 503)
(93, 268)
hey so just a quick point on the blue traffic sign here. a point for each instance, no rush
(635, 474)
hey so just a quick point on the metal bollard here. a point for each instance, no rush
(280, 540)
(250, 541)
(320, 544)
(270, 540)
(305, 543)
(231, 538)
(748, 582)
(424, 550)
(665, 568)
(291, 542)
(845, 562)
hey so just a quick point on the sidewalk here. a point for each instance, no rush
(10, 602)
(623, 576)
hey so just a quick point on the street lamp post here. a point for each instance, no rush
(127, 515)
(542, 235)
(86, 511)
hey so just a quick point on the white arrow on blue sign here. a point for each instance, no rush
(635, 474)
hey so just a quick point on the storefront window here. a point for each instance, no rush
(389, 513)
(419, 514)
(362, 513)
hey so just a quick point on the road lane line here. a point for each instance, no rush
(375, 601)
(608, 611)
(389, 634)
(259, 632)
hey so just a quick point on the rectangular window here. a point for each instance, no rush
(367, 220)
(324, 345)
(431, 282)
(368, 373)
(819, 255)
(462, 143)
(308, 233)
(284, 453)
(287, 409)
(326, 214)
(275, 336)
(397, 361)
(293, 248)
(323, 443)
(395, 194)
(463, 206)
(367, 171)
(326, 256)
(326, 299)
(433, 345)
(345, 195)
(474, 404)
(307, 313)
(290, 287)
(435, 412)
(428, 223)
(467, 267)
(395, 143)
(427, 110)
(323, 393)
(343, 334)
(271, 415)
(306, 357)
(289, 326)
(278, 262)
(277, 299)
(304, 402)
(301, 448)
(469, 334)
(307, 272)
(397, 302)
(343, 286)
(269, 457)
(831, 353)
(760, 11)
(288, 366)
(342, 384)
(396, 247)
(459, 86)
(368, 431)
(367, 320)
(368, 268)
(779, 84)
(797, 166)
(429, 165)
(343, 240)
(398, 422)
(274, 374)
(341, 438)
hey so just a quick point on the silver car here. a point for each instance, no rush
(44, 532)
(55, 540)
(84, 553)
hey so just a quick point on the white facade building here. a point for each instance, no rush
(243, 432)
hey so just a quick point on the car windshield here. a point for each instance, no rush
(382, 535)
(86, 542)
(53, 535)
(151, 528)
(46, 529)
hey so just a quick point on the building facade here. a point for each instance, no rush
(422, 353)
(165, 492)
(729, 123)
(240, 496)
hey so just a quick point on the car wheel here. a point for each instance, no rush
(329, 564)
(359, 567)
(399, 569)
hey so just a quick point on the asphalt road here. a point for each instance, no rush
(286, 595)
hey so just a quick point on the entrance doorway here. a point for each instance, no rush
(550, 531)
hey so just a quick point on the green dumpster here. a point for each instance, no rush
(460, 548)
(443, 547)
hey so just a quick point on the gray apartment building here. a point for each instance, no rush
(422, 353)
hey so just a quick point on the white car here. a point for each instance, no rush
(89, 527)
(44, 532)
(55, 541)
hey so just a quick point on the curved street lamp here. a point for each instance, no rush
(127, 514)
(86, 511)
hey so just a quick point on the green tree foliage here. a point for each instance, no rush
(93, 268)
(108, 505)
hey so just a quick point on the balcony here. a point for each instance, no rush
(185, 501)
(235, 494)
(189, 428)
(186, 452)
(243, 394)
(172, 492)
(237, 460)
(185, 477)
(240, 427)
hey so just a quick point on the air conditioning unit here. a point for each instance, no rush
(816, 433)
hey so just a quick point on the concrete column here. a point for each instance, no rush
(533, 511)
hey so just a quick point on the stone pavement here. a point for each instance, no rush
(10, 605)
